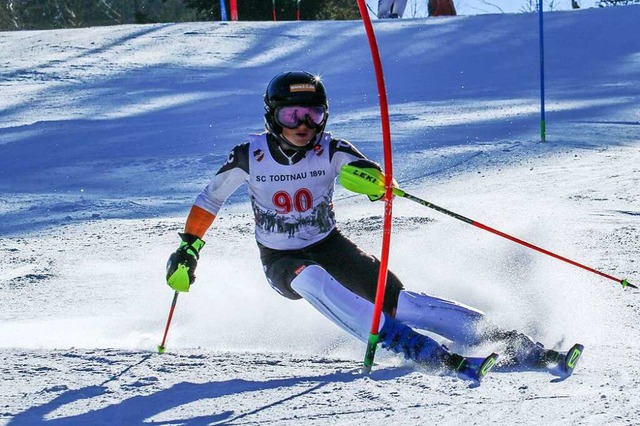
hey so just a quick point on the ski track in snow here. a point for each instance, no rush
(107, 135)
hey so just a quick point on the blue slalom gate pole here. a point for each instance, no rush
(543, 124)
(223, 11)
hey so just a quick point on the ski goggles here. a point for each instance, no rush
(293, 116)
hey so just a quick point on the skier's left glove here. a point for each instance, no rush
(181, 266)
(381, 196)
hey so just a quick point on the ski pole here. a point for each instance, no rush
(370, 181)
(166, 329)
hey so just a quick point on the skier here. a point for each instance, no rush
(391, 8)
(290, 171)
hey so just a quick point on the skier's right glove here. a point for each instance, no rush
(181, 266)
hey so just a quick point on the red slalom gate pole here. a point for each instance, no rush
(372, 342)
(166, 329)
(233, 6)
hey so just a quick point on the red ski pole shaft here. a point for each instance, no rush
(403, 194)
(369, 181)
(166, 329)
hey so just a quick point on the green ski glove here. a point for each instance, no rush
(377, 197)
(365, 179)
(182, 264)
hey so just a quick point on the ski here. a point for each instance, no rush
(477, 368)
(562, 364)
(486, 366)
(571, 359)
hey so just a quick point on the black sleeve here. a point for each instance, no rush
(345, 147)
(238, 158)
(342, 152)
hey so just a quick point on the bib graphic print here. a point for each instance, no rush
(291, 204)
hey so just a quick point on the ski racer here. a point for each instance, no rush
(290, 171)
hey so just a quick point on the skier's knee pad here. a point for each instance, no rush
(452, 320)
(349, 311)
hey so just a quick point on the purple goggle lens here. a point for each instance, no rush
(293, 116)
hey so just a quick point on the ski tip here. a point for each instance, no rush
(475, 369)
(486, 366)
(161, 349)
(571, 359)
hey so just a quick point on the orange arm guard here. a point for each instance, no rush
(198, 222)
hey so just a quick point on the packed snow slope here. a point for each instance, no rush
(108, 134)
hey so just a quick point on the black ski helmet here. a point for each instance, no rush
(293, 88)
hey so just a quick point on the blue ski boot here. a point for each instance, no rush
(417, 347)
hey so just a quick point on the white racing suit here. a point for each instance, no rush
(304, 255)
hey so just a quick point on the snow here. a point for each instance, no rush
(108, 134)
